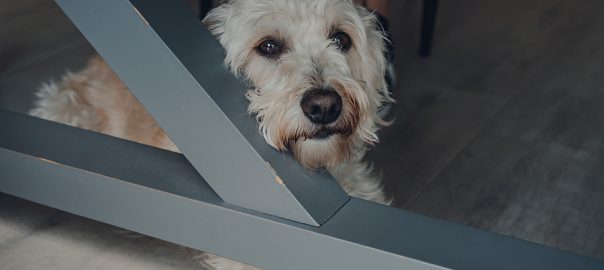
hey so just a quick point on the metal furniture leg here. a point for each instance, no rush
(428, 23)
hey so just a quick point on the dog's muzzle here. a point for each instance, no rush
(321, 106)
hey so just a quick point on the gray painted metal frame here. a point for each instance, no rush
(164, 55)
(158, 193)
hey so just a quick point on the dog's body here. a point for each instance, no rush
(317, 75)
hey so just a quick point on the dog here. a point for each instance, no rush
(317, 75)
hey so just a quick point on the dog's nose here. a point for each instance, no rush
(321, 106)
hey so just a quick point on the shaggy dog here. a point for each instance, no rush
(316, 70)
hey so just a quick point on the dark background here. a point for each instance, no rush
(501, 128)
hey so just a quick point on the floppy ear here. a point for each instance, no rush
(377, 53)
(221, 22)
(216, 19)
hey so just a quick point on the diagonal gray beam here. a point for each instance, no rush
(158, 193)
(175, 69)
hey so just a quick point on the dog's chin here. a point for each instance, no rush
(325, 149)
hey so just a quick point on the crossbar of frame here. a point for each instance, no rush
(158, 193)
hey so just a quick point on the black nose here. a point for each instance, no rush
(321, 106)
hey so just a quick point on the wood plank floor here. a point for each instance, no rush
(501, 129)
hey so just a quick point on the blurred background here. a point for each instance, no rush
(500, 128)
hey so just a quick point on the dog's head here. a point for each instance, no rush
(316, 69)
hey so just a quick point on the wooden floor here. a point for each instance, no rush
(502, 128)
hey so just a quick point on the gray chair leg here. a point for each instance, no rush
(204, 7)
(428, 22)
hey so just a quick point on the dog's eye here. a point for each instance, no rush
(342, 41)
(269, 48)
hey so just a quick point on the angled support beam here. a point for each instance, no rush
(174, 67)
(158, 193)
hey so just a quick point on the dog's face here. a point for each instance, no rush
(316, 69)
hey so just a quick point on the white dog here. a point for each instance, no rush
(317, 73)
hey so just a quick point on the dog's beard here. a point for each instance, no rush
(317, 133)
(314, 146)
(285, 127)
(321, 146)
(321, 153)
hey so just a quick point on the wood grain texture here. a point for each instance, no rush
(525, 154)
(70, 242)
(19, 219)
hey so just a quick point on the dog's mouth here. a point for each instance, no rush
(323, 134)
(318, 134)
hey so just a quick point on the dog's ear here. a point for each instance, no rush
(216, 19)
(220, 23)
(377, 51)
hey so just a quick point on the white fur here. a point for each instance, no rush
(95, 99)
